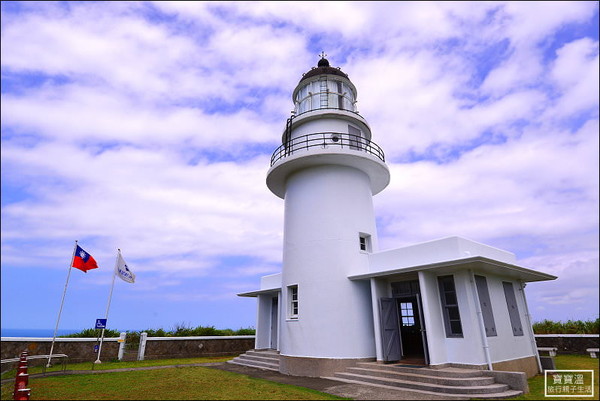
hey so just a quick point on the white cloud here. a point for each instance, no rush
(536, 185)
(575, 73)
(149, 126)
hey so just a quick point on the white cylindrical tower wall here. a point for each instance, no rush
(327, 209)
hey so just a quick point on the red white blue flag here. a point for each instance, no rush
(83, 260)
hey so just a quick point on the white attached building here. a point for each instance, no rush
(338, 299)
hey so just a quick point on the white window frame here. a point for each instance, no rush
(293, 302)
(364, 243)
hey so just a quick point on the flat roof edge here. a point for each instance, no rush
(259, 292)
(455, 262)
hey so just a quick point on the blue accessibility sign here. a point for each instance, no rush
(100, 323)
(96, 348)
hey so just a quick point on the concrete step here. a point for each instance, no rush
(264, 354)
(263, 359)
(259, 358)
(424, 378)
(416, 384)
(255, 364)
(425, 371)
(504, 394)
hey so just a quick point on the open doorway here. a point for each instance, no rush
(402, 325)
(410, 321)
(274, 322)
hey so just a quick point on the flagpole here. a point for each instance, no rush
(61, 305)
(112, 286)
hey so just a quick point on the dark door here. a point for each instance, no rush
(410, 327)
(390, 331)
(423, 332)
(274, 322)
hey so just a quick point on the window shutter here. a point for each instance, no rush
(513, 309)
(486, 306)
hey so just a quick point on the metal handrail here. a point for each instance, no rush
(326, 139)
(328, 108)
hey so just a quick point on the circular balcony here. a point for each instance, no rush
(325, 140)
(327, 148)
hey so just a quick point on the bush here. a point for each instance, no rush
(246, 332)
(180, 330)
(568, 327)
(91, 333)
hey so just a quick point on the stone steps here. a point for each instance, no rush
(460, 383)
(263, 359)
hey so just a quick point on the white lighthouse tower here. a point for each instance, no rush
(339, 300)
(327, 171)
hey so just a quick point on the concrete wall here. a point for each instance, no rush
(326, 207)
(506, 346)
(189, 347)
(440, 250)
(78, 349)
(82, 349)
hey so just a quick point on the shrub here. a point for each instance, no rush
(91, 333)
(180, 330)
(246, 332)
(568, 327)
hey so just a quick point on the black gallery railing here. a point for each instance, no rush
(325, 140)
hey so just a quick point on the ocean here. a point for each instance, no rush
(35, 332)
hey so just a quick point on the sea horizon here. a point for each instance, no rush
(12, 332)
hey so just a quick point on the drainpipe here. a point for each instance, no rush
(532, 335)
(486, 346)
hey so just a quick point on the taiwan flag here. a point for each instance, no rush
(83, 260)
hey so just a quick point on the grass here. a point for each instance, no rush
(106, 365)
(563, 362)
(204, 383)
(181, 383)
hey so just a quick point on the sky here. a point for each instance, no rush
(149, 126)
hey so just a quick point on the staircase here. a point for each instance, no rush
(263, 359)
(453, 382)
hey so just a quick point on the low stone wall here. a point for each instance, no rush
(78, 349)
(82, 349)
(188, 347)
(568, 343)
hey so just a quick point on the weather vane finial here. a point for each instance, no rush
(323, 55)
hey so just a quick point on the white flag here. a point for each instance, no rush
(123, 271)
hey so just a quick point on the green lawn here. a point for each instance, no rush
(204, 383)
(181, 383)
(563, 362)
(118, 365)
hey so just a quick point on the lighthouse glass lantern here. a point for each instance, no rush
(332, 90)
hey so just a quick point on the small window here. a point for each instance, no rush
(293, 301)
(513, 308)
(407, 313)
(364, 242)
(450, 306)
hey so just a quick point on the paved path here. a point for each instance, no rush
(341, 389)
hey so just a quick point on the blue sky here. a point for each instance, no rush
(149, 126)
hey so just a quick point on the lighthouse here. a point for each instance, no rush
(326, 170)
(339, 301)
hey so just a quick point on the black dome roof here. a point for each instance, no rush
(323, 67)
